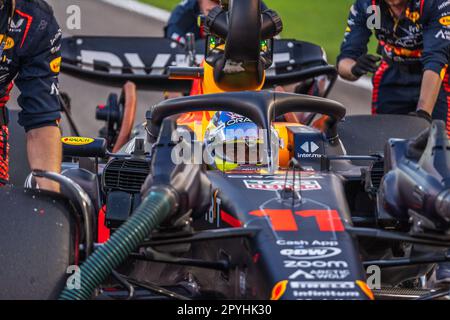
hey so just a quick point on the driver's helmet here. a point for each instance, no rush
(232, 141)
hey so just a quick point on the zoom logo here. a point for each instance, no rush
(311, 253)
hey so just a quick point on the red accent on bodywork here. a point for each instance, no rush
(232, 221)
(327, 220)
(27, 28)
(103, 232)
(282, 220)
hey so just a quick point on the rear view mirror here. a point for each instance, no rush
(82, 147)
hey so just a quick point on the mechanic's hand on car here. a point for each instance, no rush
(172, 95)
(365, 64)
(422, 114)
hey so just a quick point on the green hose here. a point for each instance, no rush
(151, 213)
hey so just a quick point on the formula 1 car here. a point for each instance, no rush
(167, 210)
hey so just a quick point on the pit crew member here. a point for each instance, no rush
(414, 41)
(30, 58)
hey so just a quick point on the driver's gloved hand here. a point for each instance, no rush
(422, 114)
(365, 64)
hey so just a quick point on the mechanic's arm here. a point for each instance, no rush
(345, 67)
(38, 84)
(45, 153)
(431, 85)
(435, 56)
(353, 60)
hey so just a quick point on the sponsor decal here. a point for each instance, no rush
(311, 253)
(444, 72)
(4, 77)
(412, 15)
(9, 42)
(5, 59)
(444, 5)
(55, 49)
(55, 65)
(304, 243)
(278, 290)
(57, 36)
(300, 273)
(443, 34)
(319, 274)
(233, 122)
(301, 243)
(279, 185)
(16, 26)
(322, 285)
(310, 147)
(280, 175)
(54, 89)
(353, 11)
(89, 58)
(325, 294)
(77, 141)
(43, 25)
(445, 21)
(315, 264)
(231, 119)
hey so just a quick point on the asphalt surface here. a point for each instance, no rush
(98, 18)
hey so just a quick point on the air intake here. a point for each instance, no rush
(125, 175)
(373, 177)
(377, 174)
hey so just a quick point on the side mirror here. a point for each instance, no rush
(82, 147)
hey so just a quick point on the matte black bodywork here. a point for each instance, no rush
(302, 241)
(37, 243)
